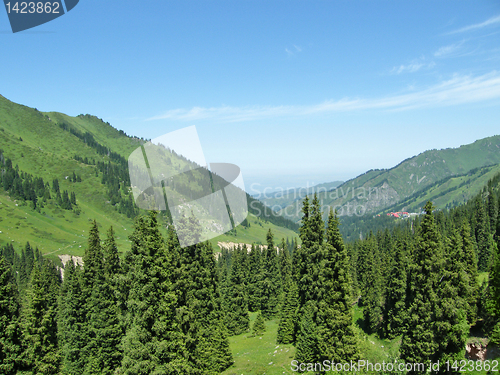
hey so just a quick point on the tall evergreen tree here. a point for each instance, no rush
(255, 279)
(372, 294)
(10, 345)
(337, 338)
(39, 321)
(102, 325)
(492, 208)
(111, 258)
(198, 304)
(259, 326)
(493, 296)
(271, 280)
(236, 304)
(394, 310)
(470, 261)
(71, 321)
(418, 343)
(153, 343)
(483, 239)
(451, 327)
(307, 336)
(289, 311)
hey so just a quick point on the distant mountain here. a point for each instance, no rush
(283, 198)
(407, 185)
(88, 158)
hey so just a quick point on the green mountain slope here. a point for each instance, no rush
(46, 145)
(377, 190)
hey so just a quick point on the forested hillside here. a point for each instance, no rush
(419, 288)
(409, 183)
(59, 173)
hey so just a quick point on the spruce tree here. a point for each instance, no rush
(372, 294)
(104, 329)
(289, 310)
(418, 343)
(492, 208)
(255, 279)
(259, 326)
(271, 280)
(450, 323)
(395, 310)
(307, 336)
(236, 304)
(39, 321)
(153, 342)
(470, 261)
(71, 321)
(110, 252)
(493, 295)
(337, 338)
(10, 345)
(312, 256)
(483, 239)
(198, 304)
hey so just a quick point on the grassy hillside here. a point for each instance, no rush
(449, 192)
(377, 190)
(37, 144)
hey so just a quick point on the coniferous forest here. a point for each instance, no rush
(157, 308)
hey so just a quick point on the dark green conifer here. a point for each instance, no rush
(102, 325)
(153, 343)
(483, 239)
(493, 295)
(470, 261)
(10, 345)
(72, 331)
(271, 280)
(289, 311)
(255, 279)
(395, 310)
(259, 326)
(337, 338)
(39, 321)
(111, 259)
(451, 327)
(419, 340)
(307, 336)
(198, 304)
(236, 304)
(372, 294)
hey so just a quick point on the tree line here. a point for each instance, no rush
(26, 187)
(163, 309)
(157, 310)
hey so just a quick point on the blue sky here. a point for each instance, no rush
(294, 92)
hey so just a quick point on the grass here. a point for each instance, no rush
(257, 355)
(417, 174)
(34, 141)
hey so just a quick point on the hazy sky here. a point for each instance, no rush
(294, 92)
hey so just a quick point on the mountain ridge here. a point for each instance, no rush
(52, 145)
(407, 177)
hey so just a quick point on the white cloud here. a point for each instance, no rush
(448, 50)
(490, 21)
(457, 90)
(412, 67)
(293, 51)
